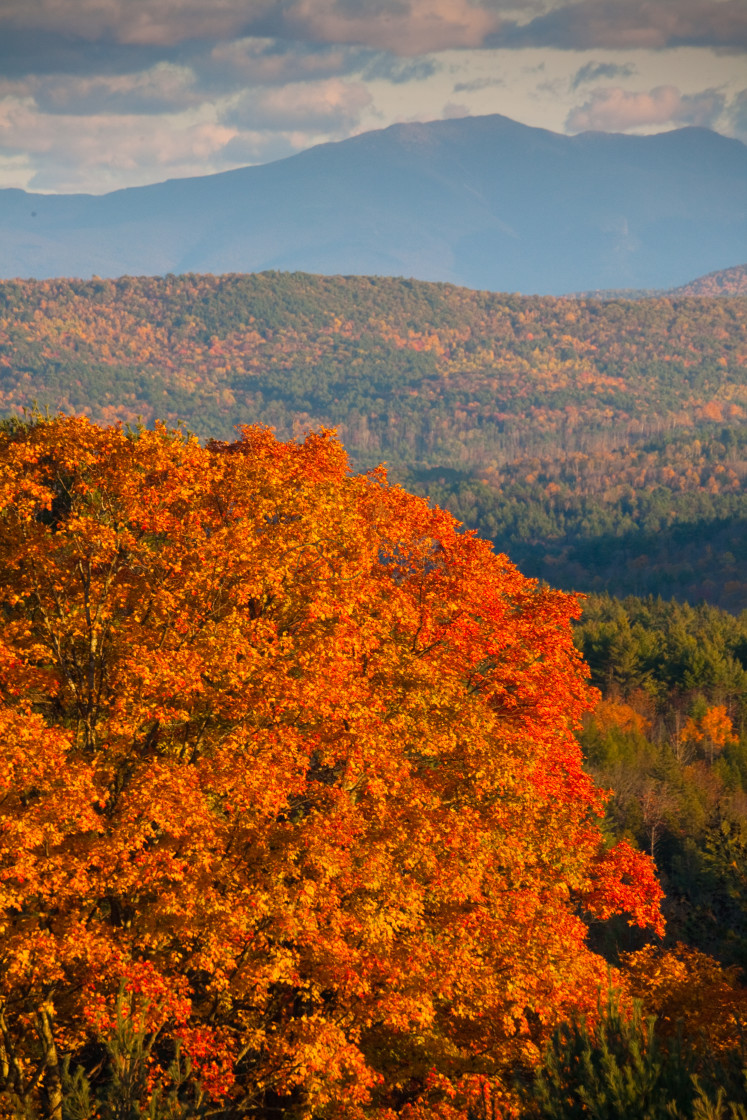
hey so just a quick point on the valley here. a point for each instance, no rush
(600, 443)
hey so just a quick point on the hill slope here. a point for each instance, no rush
(483, 202)
(725, 282)
(602, 444)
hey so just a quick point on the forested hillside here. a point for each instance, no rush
(670, 739)
(724, 282)
(600, 443)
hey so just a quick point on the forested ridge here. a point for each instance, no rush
(600, 443)
(722, 282)
(725, 282)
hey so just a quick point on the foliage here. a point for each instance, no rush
(601, 444)
(290, 790)
(689, 993)
(122, 1086)
(671, 651)
(665, 515)
(670, 740)
(612, 1069)
(616, 1067)
(727, 281)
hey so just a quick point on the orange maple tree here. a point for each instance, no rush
(289, 782)
(713, 729)
(692, 996)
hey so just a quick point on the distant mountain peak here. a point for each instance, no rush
(485, 202)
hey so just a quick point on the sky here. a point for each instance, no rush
(96, 95)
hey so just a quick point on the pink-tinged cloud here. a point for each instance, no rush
(329, 106)
(613, 109)
(406, 28)
(137, 22)
(636, 24)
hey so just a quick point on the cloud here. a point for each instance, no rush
(385, 66)
(166, 87)
(411, 27)
(627, 24)
(594, 70)
(111, 151)
(738, 115)
(260, 147)
(612, 109)
(330, 106)
(266, 61)
(24, 52)
(477, 84)
(153, 23)
(106, 93)
(453, 111)
(406, 27)
(403, 26)
(225, 69)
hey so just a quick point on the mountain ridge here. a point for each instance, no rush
(483, 202)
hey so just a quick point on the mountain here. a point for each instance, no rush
(482, 202)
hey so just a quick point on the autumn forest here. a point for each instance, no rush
(340, 790)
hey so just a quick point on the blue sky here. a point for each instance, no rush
(101, 94)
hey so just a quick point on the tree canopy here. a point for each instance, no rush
(289, 784)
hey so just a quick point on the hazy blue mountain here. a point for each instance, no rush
(483, 202)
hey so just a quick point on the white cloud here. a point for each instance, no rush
(111, 151)
(738, 115)
(452, 110)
